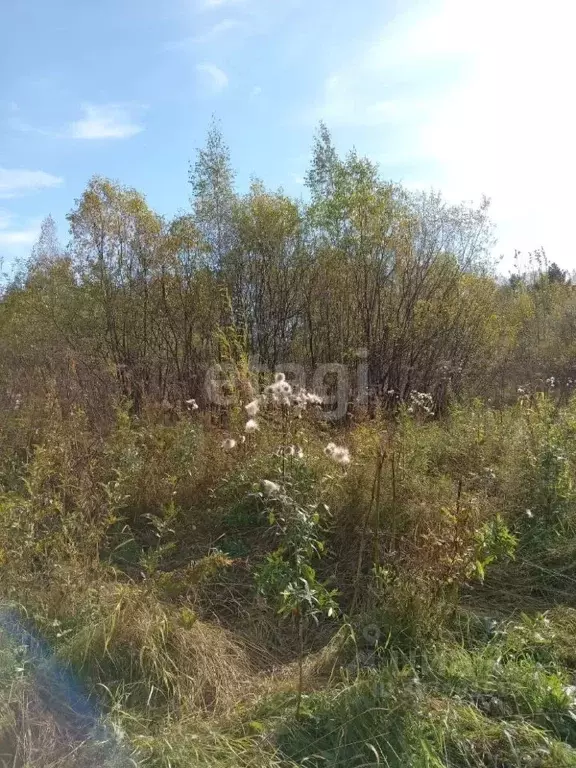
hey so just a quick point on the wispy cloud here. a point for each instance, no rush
(255, 92)
(395, 76)
(10, 107)
(212, 4)
(22, 127)
(106, 121)
(349, 99)
(211, 34)
(216, 77)
(226, 25)
(18, 181)
(5, 219)
(14, 235)
(15, 122)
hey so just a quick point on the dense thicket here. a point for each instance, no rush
(363, 273)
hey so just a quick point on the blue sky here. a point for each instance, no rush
(469, 97)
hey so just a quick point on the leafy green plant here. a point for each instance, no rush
(287, 578)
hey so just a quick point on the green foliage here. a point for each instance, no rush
(393, 718)
(184, 565)
(287, 577)
(493, 542)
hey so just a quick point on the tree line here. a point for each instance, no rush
(141, 306)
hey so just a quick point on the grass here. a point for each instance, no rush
(493, 706)
(131, 558)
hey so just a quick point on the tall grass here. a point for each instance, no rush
(151, 561)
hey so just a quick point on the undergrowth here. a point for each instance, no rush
(395, 592)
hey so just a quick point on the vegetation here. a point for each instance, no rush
(286, 484)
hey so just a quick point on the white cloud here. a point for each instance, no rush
(105, 121)
(474, 98)
(211, 34)
(13, 237)
(347, 101)
(211, 4)
(19, 236)
(366, 93)
(223, 26)
(255, 92)
(217, 78)
(226, 25)
(18, 181)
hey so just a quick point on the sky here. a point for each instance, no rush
(469, 97)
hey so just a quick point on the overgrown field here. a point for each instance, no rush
(397, 591)
(203, 564)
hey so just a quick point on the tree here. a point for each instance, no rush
(47, 249)
(321, 176)
(116, 242)
(189, 308)
(266, 271)
(212, 181)
(555, 274)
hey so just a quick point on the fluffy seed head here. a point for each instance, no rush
(270, 487)
(251, 426)
(341, 456)
(252, 408)
(338, 453)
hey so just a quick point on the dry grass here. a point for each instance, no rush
(36, 734)
(157, 654)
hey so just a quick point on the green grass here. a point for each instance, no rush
(137, 564)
